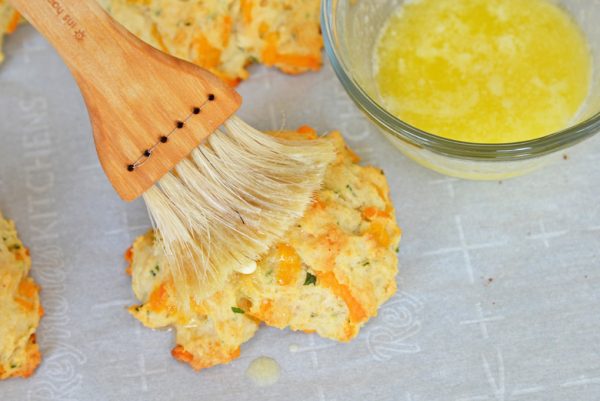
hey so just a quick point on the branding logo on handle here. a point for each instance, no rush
(67, 19)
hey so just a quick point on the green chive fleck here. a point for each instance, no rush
(155, 271)
(235, 309)
(310, 279)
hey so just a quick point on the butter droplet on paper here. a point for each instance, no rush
(248, 269)
(264, 371)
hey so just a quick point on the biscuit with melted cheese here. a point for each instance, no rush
(329, 275)
(225, 36)
(20, 308)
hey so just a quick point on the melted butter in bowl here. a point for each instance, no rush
(483, 71)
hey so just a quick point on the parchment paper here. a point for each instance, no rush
(499, 282)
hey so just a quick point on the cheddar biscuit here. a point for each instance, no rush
(20, 308)
(225, 36)
(329, 275)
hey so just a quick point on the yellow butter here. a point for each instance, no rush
(483, 71)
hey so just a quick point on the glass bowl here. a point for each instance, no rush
(350, 30)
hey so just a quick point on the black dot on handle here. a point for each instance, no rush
(180, 124)
(131, 167)
(163, 139)
(211, 97)
(196, 110)
(147, 153)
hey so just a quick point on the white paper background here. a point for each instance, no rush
(533, 333)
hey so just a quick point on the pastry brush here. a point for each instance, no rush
(218, 198)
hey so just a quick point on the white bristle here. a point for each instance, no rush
(226, 204)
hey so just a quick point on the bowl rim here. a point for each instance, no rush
(448, 147)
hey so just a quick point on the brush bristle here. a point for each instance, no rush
(225, 205)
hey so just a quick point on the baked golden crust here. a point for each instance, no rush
(225, 36)
(19, 307)
(332, 272)
(209, 334)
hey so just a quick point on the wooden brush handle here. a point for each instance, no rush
(134, 93)
(80, 30)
